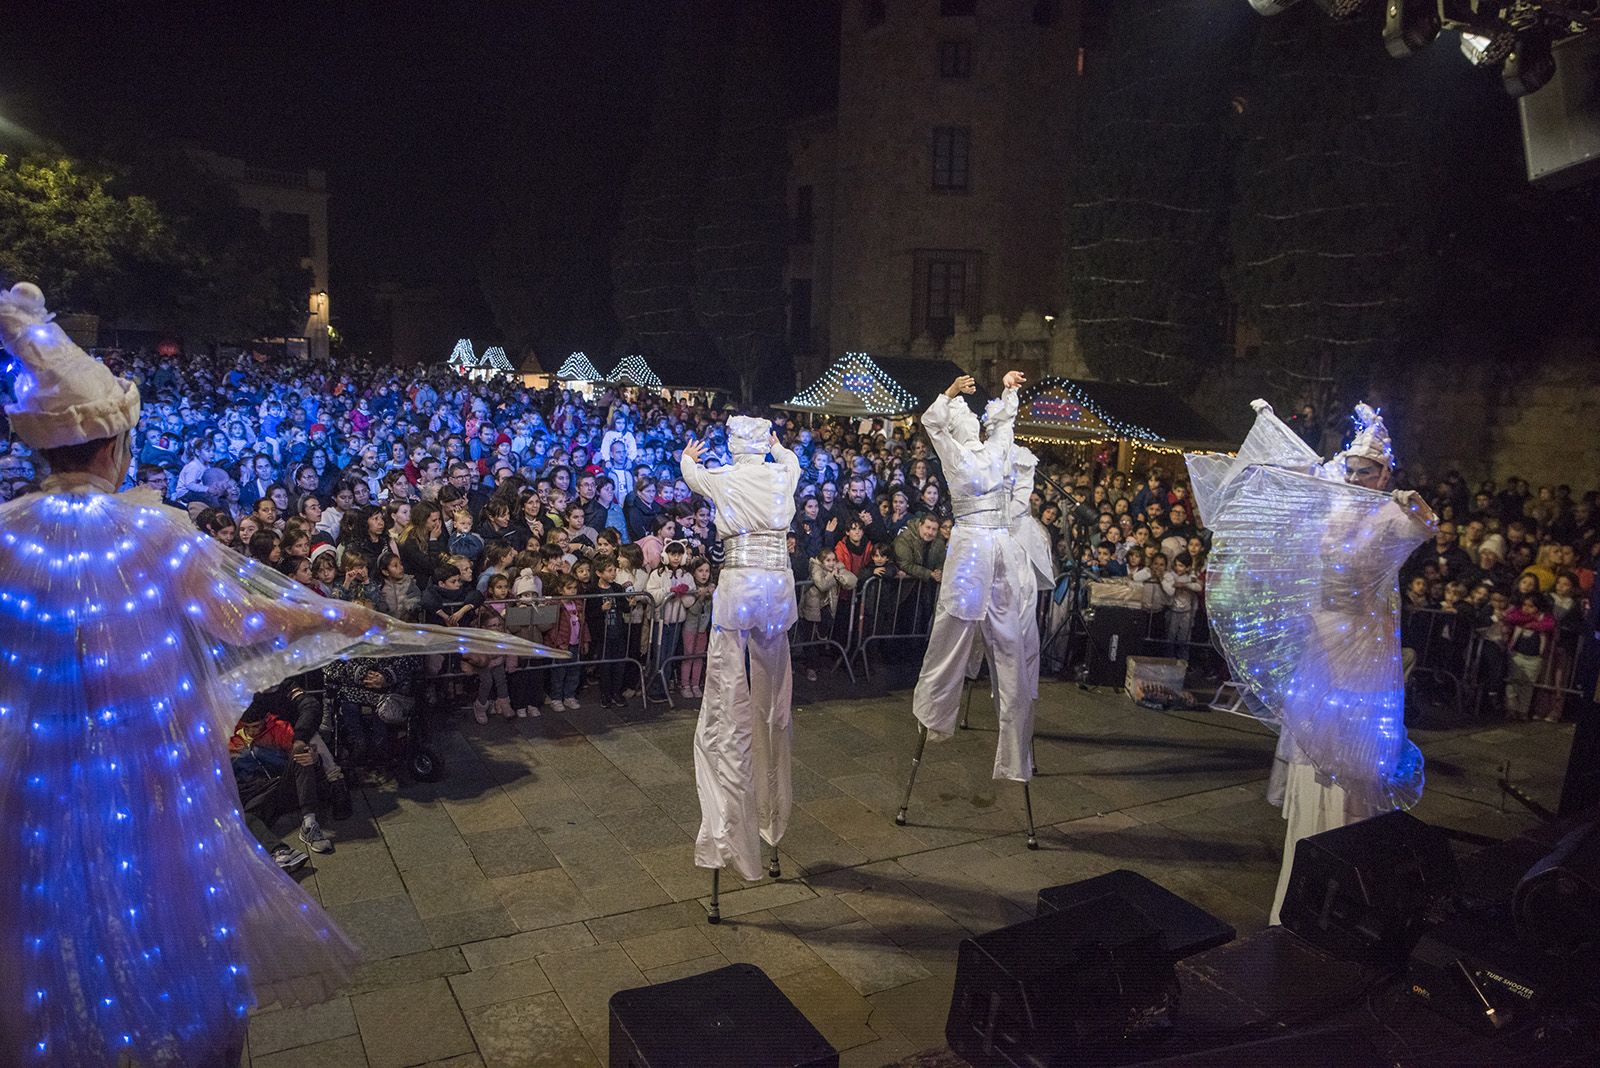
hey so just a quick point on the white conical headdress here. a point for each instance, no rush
(747, 435)
(1372, 437)
(64, 395)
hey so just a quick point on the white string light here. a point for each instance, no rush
(577, 368)
(634, 370)
(462, 358)
(858, 374)
(1066, 405)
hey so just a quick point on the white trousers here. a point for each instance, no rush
(937, 700)
(745, 795)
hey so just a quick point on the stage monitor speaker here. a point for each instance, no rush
(1360, 891)
(1087, 984)
(1561, 122)
(1115, 633)
(733, 1017)
(1557, 904)
(1186, 928)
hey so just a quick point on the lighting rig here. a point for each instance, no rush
(1513, 37)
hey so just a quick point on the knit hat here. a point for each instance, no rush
(64, 395)
(747, 435)
(1372, 437)
(1494, 543)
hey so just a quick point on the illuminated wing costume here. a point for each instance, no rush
(1302, 593)
(139, 918)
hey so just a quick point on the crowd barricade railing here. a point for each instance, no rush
(1478, 666)
(1442, 643)
(450, 669)
(893, 608)
(1556, 681)
(804, 637)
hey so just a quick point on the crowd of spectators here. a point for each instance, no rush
(566, 520)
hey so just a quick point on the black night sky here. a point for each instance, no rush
(424, 116)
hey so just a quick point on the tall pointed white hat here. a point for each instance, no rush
(64, 395)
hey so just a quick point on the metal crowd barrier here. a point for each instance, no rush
(1474, 665)
(907, 615)
(662, 666)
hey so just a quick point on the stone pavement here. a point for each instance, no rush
(501, 908)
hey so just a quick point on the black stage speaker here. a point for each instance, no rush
(1360, 891)
(1115, 633)
(733, 1017)
(1088, 984)
(1187, 929)
(1557, 904)
(1561, 122)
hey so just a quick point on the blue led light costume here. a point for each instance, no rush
(1302, 593)
(139, 919)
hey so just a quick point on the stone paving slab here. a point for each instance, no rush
(501, 908)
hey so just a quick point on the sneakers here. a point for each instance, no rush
(502, 705)
(572, 704)
(288, 859)
(687, 693)
(314, 838)
(811, 674)
(629, 693)
(480, 712)
(697, 691)
(525, 712)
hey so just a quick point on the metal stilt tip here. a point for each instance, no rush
(714, 916)
(1033, 843)
(900, 818)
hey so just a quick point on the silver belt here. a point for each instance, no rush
(986, 519)
(766, 550)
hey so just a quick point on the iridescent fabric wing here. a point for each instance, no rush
(1302, 594)
(140, 915)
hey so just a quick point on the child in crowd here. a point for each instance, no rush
(632, 576)
(446, 602)
(570, 632)
(463, 542)
(325, 570)
(1182, 587)
(491, 670)
(527, 585)
(497, 560)
(671, 590)
(398, 594)
(820, 600)
(1531, 627)
(497, 593)
(608, 618)
(696, 630)
(356, 583)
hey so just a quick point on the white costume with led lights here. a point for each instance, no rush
(139, 919)
(1302, 594)
(987, 586)
(1035, 542)
(745, 797)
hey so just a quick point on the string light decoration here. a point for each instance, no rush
(578, 368)
(633, 370)
(494, 358)
(462, 358)
(855, 382)
(1057, 401)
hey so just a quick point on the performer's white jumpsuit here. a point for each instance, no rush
(745, 797)
(1035, 542)
(987, 586)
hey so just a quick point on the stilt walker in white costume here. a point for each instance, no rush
(139, 919)
(1303, 596)
(988, 587)
(745, 797)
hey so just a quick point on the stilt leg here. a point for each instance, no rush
(1027, 803)
(916, 762)
(966, 706)
(715, 915)
(772, 865)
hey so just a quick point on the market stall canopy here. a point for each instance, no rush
(1068, 410)
(462, 358)
(861, 385)
(531, 365)
(577, 368)
(494, 358)
(634, 371)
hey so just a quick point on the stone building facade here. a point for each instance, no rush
(927, 206)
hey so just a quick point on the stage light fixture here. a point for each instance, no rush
(1409, 26)
(1530, 66)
